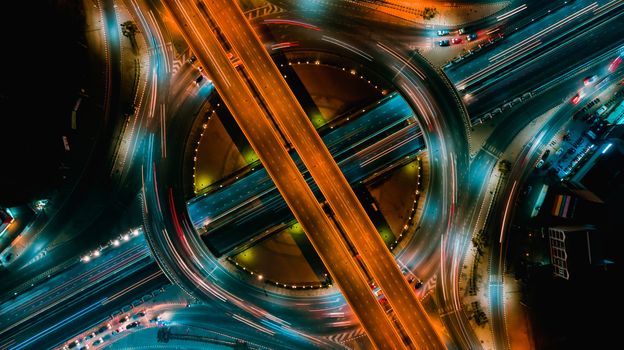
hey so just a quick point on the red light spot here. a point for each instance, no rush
(616, 62)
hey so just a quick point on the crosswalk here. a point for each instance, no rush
(344, 337)
(427, 287)
(491, 150)
(36, 258)
(264, 10)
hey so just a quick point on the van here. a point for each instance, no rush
(601, 110)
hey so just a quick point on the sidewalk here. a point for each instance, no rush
(448, 14)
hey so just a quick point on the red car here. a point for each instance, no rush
(456, 40)
(575, 100)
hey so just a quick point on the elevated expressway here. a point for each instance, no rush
(370, 144)
(272, 150)
(301, 134)
(186, 260)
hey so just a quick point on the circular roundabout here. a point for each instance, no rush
(220, 229)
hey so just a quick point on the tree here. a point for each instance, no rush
(129, 29)
(429, 13)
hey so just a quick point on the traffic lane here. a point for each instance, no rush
(435, 88)
(378, 259)
(527, 76)
(325, 171)
(402, 142)
(320, 319)
(559, 94)
(256, 184)
(300, 129)
(282, 336)
(59, 287)
(339, 197)
(288, 179)
(521, 38)
(519, 172)
(262, 213)
(89, 308)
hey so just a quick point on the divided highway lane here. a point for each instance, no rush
(78, 299)
(444, 123)
(349, 213)
(260, 212)
(339, 140)
(547, 32)
(531, 73)
(271, 150)
(47, 295)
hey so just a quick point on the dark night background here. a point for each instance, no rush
(43, 65)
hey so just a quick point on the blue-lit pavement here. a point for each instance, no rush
(362, 147)
(58, 307)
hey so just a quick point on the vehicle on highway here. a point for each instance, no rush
(616, 62)
(540, 163)
(444, 43)
(546, 154)
(103, 328)
(601, 110)
(5, 220)
(575, 100)
(461, 31)
(443, 32)
(471, 37)
(590, 80)
(132, 325)
(456, 40)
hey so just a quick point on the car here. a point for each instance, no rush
(526, 96)
(590, 80)
(540, 163)
(139, 314)
(199, 79)
(118, 330)
(123, 319)
(456, 40)
(98, 342)
(443, 32)
(72, 344)
(418, 284)
(90, 336)
(471, 37)
(461, 31)
(575, 100)
(132, 325)
(444, 43)
(616, 62)
(104, 328)
(192, 59)
(546, 154)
